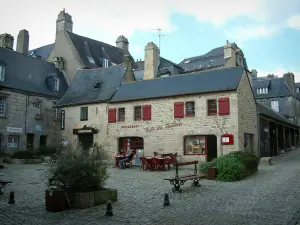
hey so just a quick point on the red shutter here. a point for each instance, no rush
(178, 109)
(146, 112)
(224, 106)
(112, 115)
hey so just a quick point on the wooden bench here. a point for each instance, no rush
(180, 180)
(3, 183)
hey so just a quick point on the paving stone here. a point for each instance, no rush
(269, 197)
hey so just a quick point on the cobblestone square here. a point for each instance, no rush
(270, 197)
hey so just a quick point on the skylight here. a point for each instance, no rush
(91, 60)
(187, 61)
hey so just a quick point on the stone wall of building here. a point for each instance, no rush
(247, 116)
(21, 118)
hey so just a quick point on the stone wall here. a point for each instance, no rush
(247, 114)
(21, 115)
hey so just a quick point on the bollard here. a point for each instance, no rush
(166, 200)
(109, 211)
(11, 198)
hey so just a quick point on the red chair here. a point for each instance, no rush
(167, 161)
(155, 163)
(149, 165)
(143, 163)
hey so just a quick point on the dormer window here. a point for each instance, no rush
(262, 90)
(297, 89)
(91, 60)
(105, 63)
(56, 84)
(2, 72)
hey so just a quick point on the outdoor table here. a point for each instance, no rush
(161, 163)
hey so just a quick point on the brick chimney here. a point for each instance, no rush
(122, 43)
(6, 41)
(289, 79)
(129, 74)
(254, 74)
(64, 22)
(151, 61)
(23, 42)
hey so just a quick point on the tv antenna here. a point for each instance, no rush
(159, 35)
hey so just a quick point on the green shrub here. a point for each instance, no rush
(45, 151)
(203, 168)
(79, 171)
(236, 165)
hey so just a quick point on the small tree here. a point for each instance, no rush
(79, 171)
(221, 123)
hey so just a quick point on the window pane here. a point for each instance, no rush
(121, 114)
(2, 106)
(190, 109)
(195, 145)
(212, 107)
(137, 112)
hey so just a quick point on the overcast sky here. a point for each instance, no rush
(268, 31)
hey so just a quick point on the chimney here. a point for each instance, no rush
(23, 42)
(254, 73)
(230, 54)
(6, 41)
(64, 22)
(151, 61)
(129, 74)
(122, 43)
(289, 79)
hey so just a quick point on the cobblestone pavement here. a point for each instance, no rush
(271, 197)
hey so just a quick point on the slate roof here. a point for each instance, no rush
(162, 68)
(212, 59)
(43, 51)
(269, 112)
(29, 74)
(82, 89)
(97, 50)
(175, 85)
(277, 88)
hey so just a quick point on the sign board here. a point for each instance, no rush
(85, 130)
(14, 129)
(62, 122)
(38, 127)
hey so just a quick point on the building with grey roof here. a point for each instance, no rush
(29, 89)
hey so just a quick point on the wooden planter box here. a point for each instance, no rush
(94, 198)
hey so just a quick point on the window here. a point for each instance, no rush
(190, 108)
(91, 60)
(262, 90)
(2, 106)
(275, 105)
(212, 107)
(195, 145)
(121, 114)
(83, 113)
(297, 89)
(137, 112)
(57, 113)
(105, 63)
(13, 142)
(56, 84)
(2, 72)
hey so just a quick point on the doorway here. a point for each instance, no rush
(212, 147)
(134, 143)
(30, 141)
(86, 141)
(43, 141)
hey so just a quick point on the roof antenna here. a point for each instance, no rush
(159, 35)
(64, 10)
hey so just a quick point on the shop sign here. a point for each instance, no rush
(162, 127)
(38, 127)
(85, 130)
(62, 122)
(14, 129)
(130, 126)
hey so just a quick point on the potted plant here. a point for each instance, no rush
(83, 176)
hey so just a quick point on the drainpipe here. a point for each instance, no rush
(25, 122)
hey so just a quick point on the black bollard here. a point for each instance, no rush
(11, 198)
(109, 211)
(166, 200)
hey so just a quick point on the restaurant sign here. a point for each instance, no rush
(130, 126)
(62, 122)
(14, 129)
(85, 130)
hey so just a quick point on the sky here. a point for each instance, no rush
(268, 31)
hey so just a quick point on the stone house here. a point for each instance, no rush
(187, 114)
(29, 88)
(72, 51)
(279, 93)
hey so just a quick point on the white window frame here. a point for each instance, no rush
(13, 141)
(2, 106)
(297, 89)
(105, 63)
(56, 84)
(275, 105)
(2, 72)
(262, 90)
